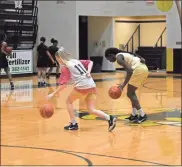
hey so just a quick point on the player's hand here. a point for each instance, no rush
(120, 87)
(54, 63)
(88, 75)
(48, 97)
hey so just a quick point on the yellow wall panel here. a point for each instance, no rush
(169, 59)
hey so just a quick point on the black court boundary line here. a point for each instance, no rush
(89, 163)
(86, 153)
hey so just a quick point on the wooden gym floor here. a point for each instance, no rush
(28, 139)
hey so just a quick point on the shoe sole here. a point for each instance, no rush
(72, 129)
(113, 126)
(143, 120)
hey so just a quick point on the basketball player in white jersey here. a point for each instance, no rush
(137, 72)
(84, 87)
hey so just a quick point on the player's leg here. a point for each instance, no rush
(134, 99)
(39, 74)
(133, 117)
(90, 100)
(7, 70)
(57, 72)
(44, 76)
(139, 76)
(69, 103)
(49, 72)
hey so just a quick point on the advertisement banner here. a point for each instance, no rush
(20, 62)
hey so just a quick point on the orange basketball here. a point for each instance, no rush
(8, 50)
(114, 92)
(47, 110)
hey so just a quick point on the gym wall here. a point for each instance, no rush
(61, 20)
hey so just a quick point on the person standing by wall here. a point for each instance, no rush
(3, 58)
(43, 57)
(53, 49)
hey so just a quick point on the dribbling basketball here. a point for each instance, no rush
(114, 92)
(47, 110)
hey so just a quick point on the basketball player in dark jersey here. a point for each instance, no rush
(3, 59)
(53, 49)
(43, 61)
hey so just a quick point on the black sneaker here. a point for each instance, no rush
(39, 84)
(112, 123)
(71, 127)
(44, 84)
(142, 119)
(132, 118)
(12, 86)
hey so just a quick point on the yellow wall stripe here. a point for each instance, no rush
(169, 59)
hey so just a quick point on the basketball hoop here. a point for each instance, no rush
(18, 4)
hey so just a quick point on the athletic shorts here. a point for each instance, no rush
(139, 76)
(86, 94)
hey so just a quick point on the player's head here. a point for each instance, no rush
(43, 39)
(54, 42)
(111, 53)
(3, 37)
(62, 56)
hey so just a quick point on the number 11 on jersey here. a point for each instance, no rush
(80, 69)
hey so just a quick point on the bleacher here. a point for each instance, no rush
(154, 56)
(20, 25)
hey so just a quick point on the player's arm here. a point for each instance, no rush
(50, 57)
(63, 80)
(129, 71)
(61, 87)
(4, 45)
(88, 64)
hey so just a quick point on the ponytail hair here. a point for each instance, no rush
(53, 41)
(63, 55)
(115, 51)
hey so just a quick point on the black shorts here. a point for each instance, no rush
(42, 63)
(50, 64)
(3, 61)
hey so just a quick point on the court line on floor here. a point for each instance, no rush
(38, 107)
(77, 152)
(146, 83)
(47, 149)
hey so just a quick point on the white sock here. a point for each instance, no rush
(134, 111)
(141, 112)
(73, 122)
(101, 114)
